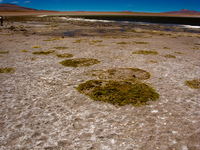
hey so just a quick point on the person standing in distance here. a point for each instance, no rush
(1, 19)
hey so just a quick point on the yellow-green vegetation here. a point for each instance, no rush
(122, 43)
(54, 25)
(65, 55)
(49, 40)
(166, 48)
(61, 48)
(5, 33)
(178, 53)
(97, 41)
(196, 47)
(32, 58)
(121, 74)
(146, 36)
(79, 62)
(4, 52)
(141, 42)
(130, 31)
(78, 41)
(119, 92)
(36, 46)
(56, 38)
(24, 50)
(169, 56)
(100, 45)
(144, 52)
(7, 70)
(43, 52)
(194, 83)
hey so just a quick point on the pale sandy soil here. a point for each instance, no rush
(40, 107)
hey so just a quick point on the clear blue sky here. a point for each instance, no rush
(109, 5)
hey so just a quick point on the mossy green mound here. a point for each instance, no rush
(194, 83)
(121, 74)
(119, 92)
(143, 52)
(65, 55)
(7, 70)
(79, 62)
(43, 52)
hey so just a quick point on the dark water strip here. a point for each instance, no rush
(150, 19)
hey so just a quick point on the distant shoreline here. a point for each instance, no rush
(33, 13)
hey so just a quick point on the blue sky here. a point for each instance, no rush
(109, 5)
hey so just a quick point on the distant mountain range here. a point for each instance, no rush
(13, 7)
(184, 12)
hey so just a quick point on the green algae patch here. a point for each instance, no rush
(65, 55)
(60, 48)
(119, 92)
(166, 48)
(121, 74)
(195, 84)
(144, 52)
(43, 52)
(7, 70)
(79, 62)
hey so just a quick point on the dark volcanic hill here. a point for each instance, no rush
(184, 12)
(13, 7)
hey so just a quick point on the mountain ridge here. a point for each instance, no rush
(184, 11)
(13, 7)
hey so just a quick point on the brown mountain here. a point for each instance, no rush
(184, 12)
(13, 7)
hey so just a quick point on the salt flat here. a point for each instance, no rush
(40, 107)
